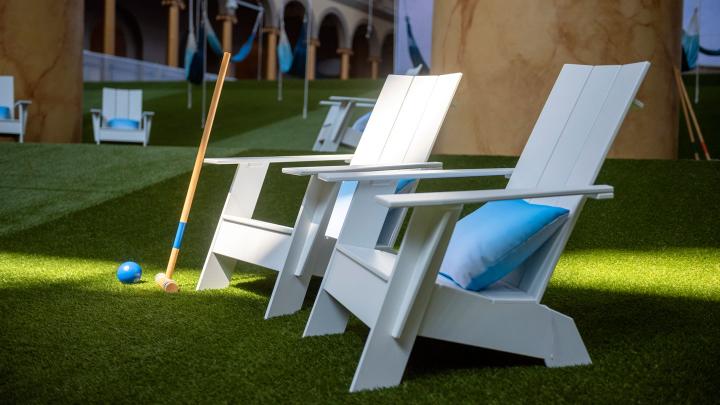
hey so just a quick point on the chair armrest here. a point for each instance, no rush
(309, 171)
(599, 192)
(355, 99)
(413, 174)
(277, 159)
(148, 113)
(22, 103)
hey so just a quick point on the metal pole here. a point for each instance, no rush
(307, 60)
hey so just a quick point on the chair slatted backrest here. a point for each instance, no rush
(568, 145)
(7, 93)
(403, 128)
(120, 103)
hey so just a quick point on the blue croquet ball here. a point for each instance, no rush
(129, 272)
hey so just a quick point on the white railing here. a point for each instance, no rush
(99, 67)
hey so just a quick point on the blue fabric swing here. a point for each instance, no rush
(246, 48)
(284, 51)
(300, 52)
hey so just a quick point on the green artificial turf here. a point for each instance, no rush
(641, 278)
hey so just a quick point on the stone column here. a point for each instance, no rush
(41, 47)
(374, 67)
(227, 23)
(271, 66)
(312, 57)
(173, 34)
(109, 28)
(344, 62)
(497, 103)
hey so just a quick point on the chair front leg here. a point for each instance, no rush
(309, 249)
(240, 202)
(410, 287)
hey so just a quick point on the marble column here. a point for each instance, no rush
(312, 57)
(173, 34)
(271, 66)
(511, 51)
(109, 27)
(345, 54)
(374, 66)
(41, 47)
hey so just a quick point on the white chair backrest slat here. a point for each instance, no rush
(432, 118)
(610, 118)
(120, 103)
(7, 92)
(403, 127)
(549, 126)
(408, 120)
(382, 120)
(581, 122)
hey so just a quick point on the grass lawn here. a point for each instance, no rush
(641, 278)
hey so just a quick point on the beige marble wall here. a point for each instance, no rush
(41, 46)
(511, 51)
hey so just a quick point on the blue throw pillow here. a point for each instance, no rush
(123, 123)
(495, 239)
(4, 113)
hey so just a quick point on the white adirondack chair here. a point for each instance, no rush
(399, 295)
(336, 129)
(400, 134)
(9, 122)
(125, 106)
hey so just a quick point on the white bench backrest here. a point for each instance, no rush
(120, 103)
(7, 96)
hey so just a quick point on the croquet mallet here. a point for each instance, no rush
(164, 280)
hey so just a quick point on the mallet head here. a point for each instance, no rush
(167, 284)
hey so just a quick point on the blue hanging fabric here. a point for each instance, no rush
(190, 51)
(415, 55)
(212, 38)
(248, 45)
(284, 51)
(300, 52)
(195, 72)
(709, 52)
(691, 43)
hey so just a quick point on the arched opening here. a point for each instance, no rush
(293, 18)
(387, 55)
(359, 64)
(330, 36)
(128, 37)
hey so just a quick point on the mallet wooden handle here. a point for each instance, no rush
(198, 165)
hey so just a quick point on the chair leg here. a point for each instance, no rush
(216, 273)
(288, 295)
(328, 316)
(568, 347)
(383, 361)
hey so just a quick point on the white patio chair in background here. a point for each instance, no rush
(12, 123)
(121, 118)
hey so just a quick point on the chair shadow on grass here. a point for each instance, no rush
(631, 337)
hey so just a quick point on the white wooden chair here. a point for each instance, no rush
(400, 134)
(10, 123)
(336, 130)
(399, 294)
(121, 118)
